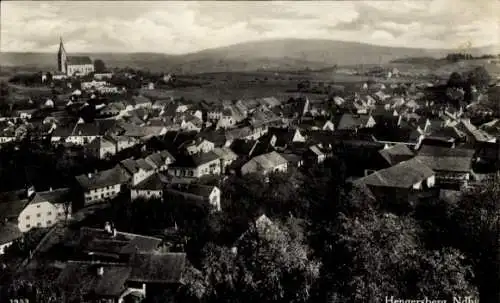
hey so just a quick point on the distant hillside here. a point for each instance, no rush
(286, 54)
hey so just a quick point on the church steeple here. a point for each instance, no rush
(61, 57)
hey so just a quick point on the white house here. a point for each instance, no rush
(139, 170)
(151, 187)
(102, 185)
(266, 163)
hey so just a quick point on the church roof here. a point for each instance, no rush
(79, 60)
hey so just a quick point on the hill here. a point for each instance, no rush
(284, 54)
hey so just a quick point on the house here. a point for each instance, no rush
(26, 113)
(102, 185)
(191, 123)
(141, 102)
(122, 282)
(199, 145)
(122, 142)
(354, 122)
(396, 153)
(226, 155)
(245, 133)
(113, 109)
(86, 86)
(196, 166)
(160, 160)
(316, 124)
(195, 192)
(101, 76)
(109, 244)
(474, 134)
(101, 148)
(401, 185)
(30, 209)
(138, 170)
(265, 164)
(152, 187)
(453, 166)
(9, 233)
(286, 136)
(315, 154)
(80, 134)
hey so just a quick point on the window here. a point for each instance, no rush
(39, 224)
(28, 226)
(49, 213)
(38, 206)
(38, 215)
(49, 222)
(27, 217)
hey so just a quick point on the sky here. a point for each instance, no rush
(188, 26)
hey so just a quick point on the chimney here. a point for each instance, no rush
(100, 271)
(50, 188)
(89, 175)
(114, 232)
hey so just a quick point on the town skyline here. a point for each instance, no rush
(186, 27)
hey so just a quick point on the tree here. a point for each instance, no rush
(267, 267)
(99, 66)
(479, 77)
(476, 230)
(456, 80)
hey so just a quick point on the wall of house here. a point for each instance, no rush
(44, 214)
(297, 137)
(214, 199)
(4, 246)
(80, 140)
(100, 194)
(83, 69)
(210, 168)
(136, 193)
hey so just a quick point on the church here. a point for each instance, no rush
(73, 65)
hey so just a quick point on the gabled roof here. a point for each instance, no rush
(350, 121)
(396, 154)
(446, 159)
(158, 267)
(9, 232)
(99, 241)
(266, 161)
(155, 182)
(81, 277)
(402, 175)
(195, 160)
(113, 176)
(225, 153)
(202, 191)
(78, 60)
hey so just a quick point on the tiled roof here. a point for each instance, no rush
(82, 277)
(446, 159)
(12, 204)
(202, 191)
(396, 154)
(402, 175)
(158, 267)
(349, 121)
(195, 160)
(9, 232)
(155, 182)
(113, 176)
(267, 161)
(97, 240)
(225, 153)
(78, 60)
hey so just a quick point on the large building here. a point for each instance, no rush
(73, 65)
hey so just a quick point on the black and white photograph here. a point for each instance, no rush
(250, 151)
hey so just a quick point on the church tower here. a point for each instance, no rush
(61, 58)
